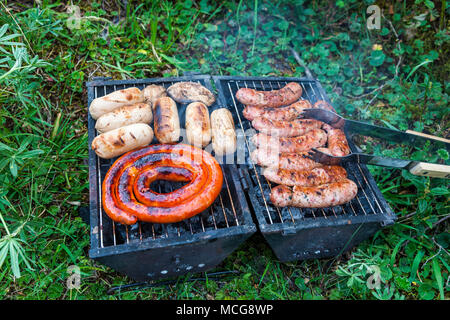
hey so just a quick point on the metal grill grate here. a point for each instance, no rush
(368, 200)
(226, 212)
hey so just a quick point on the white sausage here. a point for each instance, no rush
(118, 141)
(223, 132)
(153, 92)
(123, 116)
(198, 125)
(116, 99)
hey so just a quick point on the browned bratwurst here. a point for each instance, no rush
(312, 139)
(293, 128)
(321, 104)
(306, 178)
(337, 142)
(290, 112)
(272, 99)
(166, 120)
(288, 161)
(326, 195)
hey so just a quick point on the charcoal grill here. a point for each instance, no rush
(296, 233)
(146, 251)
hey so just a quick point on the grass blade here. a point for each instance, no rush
(438, 276)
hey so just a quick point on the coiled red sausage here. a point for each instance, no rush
(127, 196)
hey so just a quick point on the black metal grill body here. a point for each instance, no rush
(295, 233)
(146, 251)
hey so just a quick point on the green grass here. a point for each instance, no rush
(44, 62)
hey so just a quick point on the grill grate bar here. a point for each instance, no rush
(223, 210)
(203, 225)
(370, 188)
(213, 218)
(231, 201)
(100, 204)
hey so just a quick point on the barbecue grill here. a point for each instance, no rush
(296, 233)
(146, 251)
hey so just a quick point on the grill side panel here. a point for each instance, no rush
(174, 260)
(319, 242)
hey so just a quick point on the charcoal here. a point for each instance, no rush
(184, 227)
(196, 224)
(297, 213)
(286, 214)
(133, 232)
(171, 229)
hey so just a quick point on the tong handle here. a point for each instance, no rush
(431, 170)
(428, 136)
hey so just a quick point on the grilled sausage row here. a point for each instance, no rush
(282, 142)
(125, 108)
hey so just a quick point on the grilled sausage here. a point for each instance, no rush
(312, 139)
(186, 92)
(293, 128)
(198, 125)
(116, 99)
(290, 112)
(126, 196)
(275, 98)
(223, 132)
(166, 120)
(305, 178)
(337, 141)
(288, 161)
(152, 93)
(321, 104)
(327, 195)
(118, 141)
(123, 116)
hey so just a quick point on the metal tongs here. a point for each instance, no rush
(351, 127)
